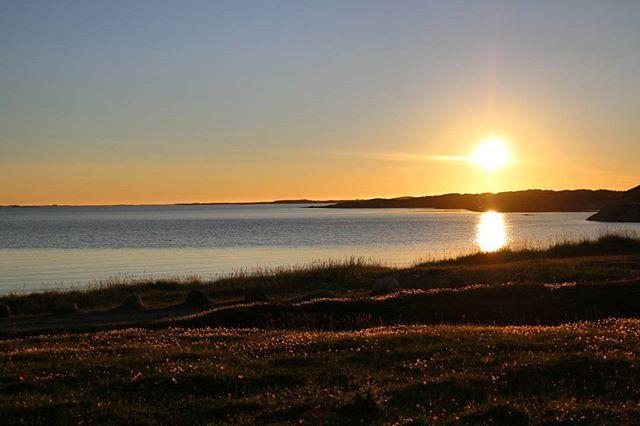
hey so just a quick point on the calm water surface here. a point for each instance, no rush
(74, 246)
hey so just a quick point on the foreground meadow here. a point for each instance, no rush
(513, 337)
(437, 374)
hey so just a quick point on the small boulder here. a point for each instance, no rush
(66, 308)
(132, 303)
(197, 298)
(5, 311)
(385, 285)
(322, 293)
(252, 296)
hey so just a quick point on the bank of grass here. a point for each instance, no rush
(583, 372)
(609, 257)
(344, 275)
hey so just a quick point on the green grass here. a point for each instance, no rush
(435, 374)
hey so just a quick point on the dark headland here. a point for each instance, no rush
(625, 208)
(612, 205)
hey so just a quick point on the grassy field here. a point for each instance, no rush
(585, 372)
(519, 336)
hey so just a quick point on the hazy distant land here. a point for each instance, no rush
(220, 203)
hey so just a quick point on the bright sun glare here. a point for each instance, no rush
(491, 153)
(491, 232)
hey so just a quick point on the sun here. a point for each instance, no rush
(491, 154)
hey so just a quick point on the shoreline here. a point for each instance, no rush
(173, 288)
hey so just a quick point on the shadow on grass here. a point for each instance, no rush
(481, 304)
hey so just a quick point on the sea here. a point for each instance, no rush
(45, 248)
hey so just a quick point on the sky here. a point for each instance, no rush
(109, 102)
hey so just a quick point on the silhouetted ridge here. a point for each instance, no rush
(533, 200)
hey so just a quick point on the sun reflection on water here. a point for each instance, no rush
(491, 232)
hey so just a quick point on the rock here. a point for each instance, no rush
(252, 296)
(5, 311)
(385, 285)
(322, 293)
(65, 308)
(197, 298)
(132, 303)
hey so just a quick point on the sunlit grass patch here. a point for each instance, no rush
(618, 243)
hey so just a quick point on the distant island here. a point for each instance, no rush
(614, 206)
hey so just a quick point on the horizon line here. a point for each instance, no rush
(286, 201)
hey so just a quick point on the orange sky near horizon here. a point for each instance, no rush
(104, 185)
(334, 176)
